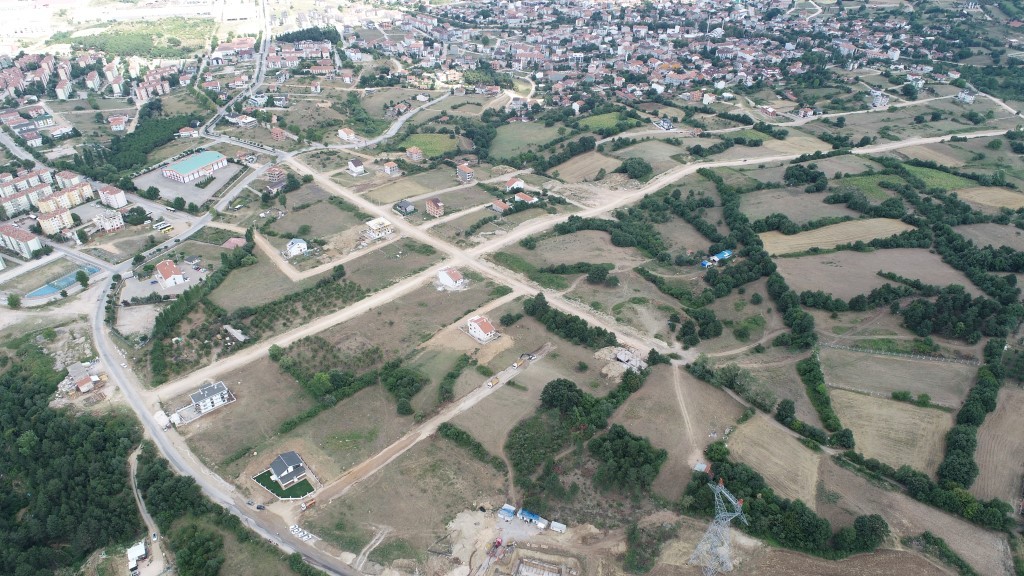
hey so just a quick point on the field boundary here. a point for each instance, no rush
(966, 361)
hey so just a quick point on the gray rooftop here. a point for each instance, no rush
(208, 391)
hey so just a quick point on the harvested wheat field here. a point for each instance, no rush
(831, 236)
(1000, 450)
(993, 234)
(585, 167)
(788, 466)
(894, 432)
(946, 383)
(681, 414)
(995, 197)
(986, 551)
(847, 274)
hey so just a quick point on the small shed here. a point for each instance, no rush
(507, 512)
(558, 527)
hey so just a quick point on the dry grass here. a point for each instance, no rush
(799, 206)
(993, 234)
(995, 197)
(585, 167)
(847, 274)
(416, 495)
(880, 563)
(893, 432)
(831, 236)
(852, 495)
(656, 412)
(788, 466)
(1001, 449)
(259, 388)
(945, 383)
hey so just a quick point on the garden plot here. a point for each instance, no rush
(799, 206)
(831, 236)
(846, 274)
(880, 376)
(1000, 449)
(789, 467)
(993, 235)
(896, 433)
(680, 414)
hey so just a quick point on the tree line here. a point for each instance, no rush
(568, 326)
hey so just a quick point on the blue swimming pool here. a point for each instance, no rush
(60, 283)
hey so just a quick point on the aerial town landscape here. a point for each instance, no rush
(526, 288)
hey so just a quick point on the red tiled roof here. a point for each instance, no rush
(167, 268)
(18, 234)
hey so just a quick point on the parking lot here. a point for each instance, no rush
(169, 189)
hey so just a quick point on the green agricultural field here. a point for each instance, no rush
(869, 185)
(601, 121)
(939, 179)
(433, 145)
(514, 139)
(297, 490)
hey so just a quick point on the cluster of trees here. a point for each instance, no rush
(568, 326)
(702, 151)
(568, 151)
(798, 175)
(773, 131)
(959, 466)
(856, 200)
(446, 389)
(782, 223)
(402, 383)
(198, 551)
(314, 34)
(739, 118)
(785, 413)
(643, 545)
(739, 380)
(884, 295)
(800, 323)
(954, 314)
(636, 168)
(168, 496)
(630, 229)
(64, 490)
(464, 439)
(788, 523)
(628, 463)
(358, 118)
(811, 375)
(596, 273)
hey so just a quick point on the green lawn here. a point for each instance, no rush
(601, 121)
(297, 490)
(433, 145)
(939, 179)
(513, 139)
(869, 185)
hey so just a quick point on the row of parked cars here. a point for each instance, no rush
(300, 533)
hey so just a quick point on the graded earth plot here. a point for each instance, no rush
(846, 274)
(416, 495)
(799, 206)
(895, 433)
(478, 226)
(789, 467)
(946, 383)
(846, 495)
(585, 167)
(415, 185)
(1001, 449)
(830, 236)
(680, 414)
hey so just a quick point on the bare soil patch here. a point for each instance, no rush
(847, 274)
(946, 383)
(788, 466)
(880, 563)
(1000, 449)
(137, 319)
(831, 236)
(893, 432)
(849, 495)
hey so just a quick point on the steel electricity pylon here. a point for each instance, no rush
(713, 553)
